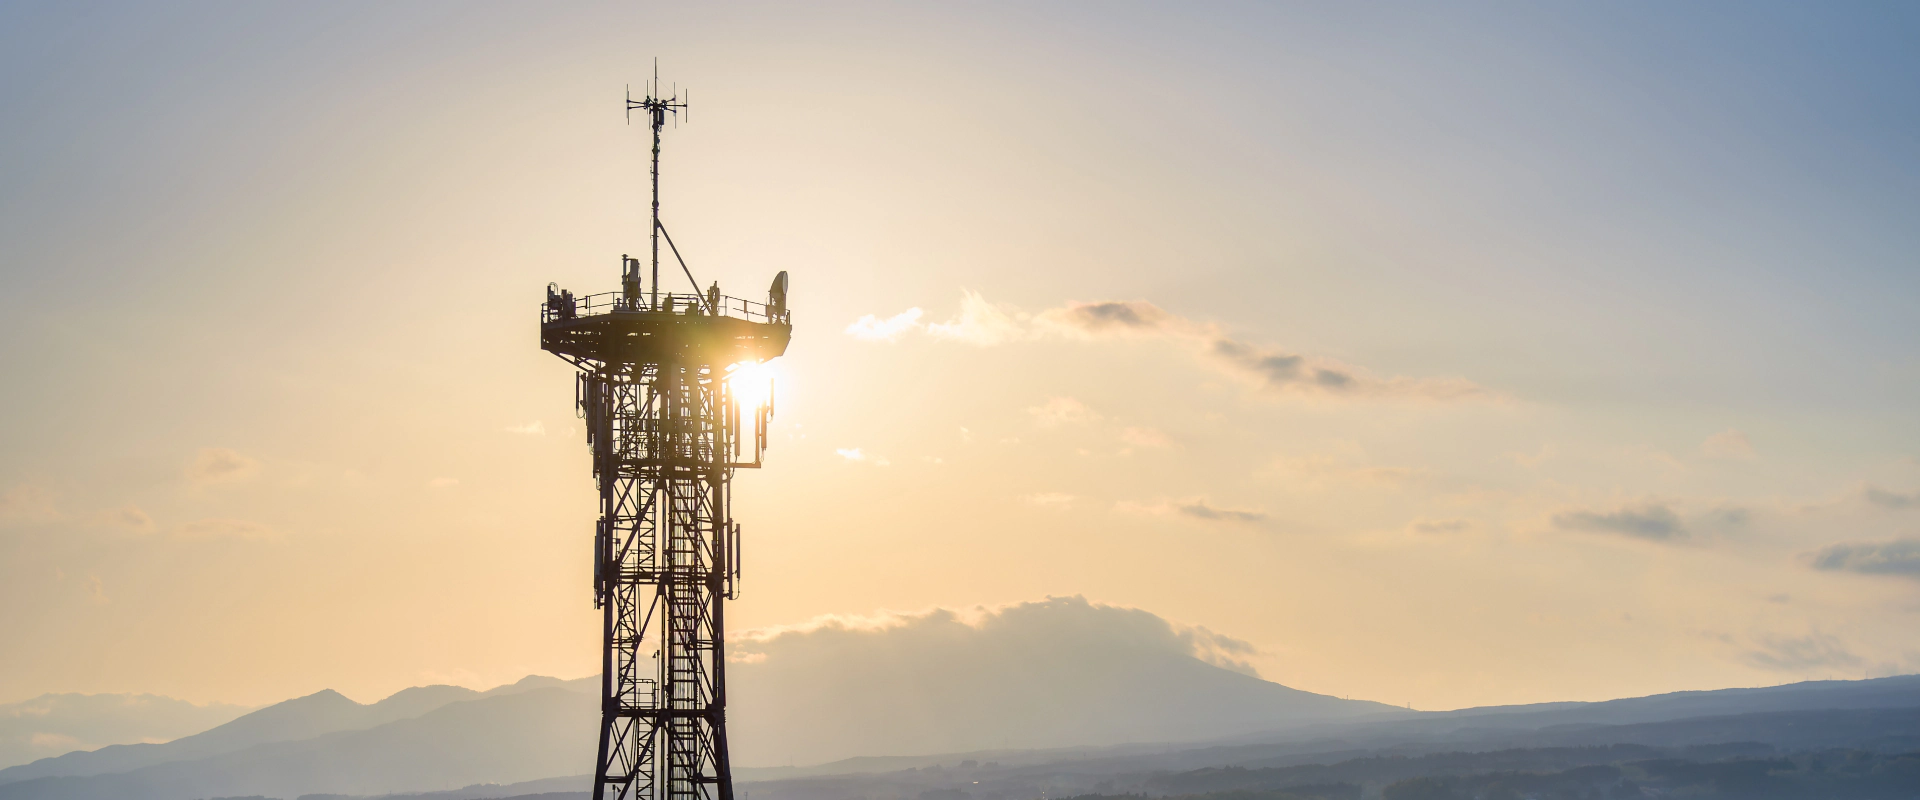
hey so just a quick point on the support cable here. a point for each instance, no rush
(683, 268)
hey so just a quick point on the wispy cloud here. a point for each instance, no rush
(1886, 499)
(1270, 368)
(857, 455)
(220, 465)
(1145, 437)
(1058, 411)
(1346, 465)
(1802, 653)
(534, 428)
(1119, 318)
(1192, 508)
(1897, 557)
(1221, 651)
(1433, 527)
(225, 529)
(27, 504)
(979, 322)
(1730, 516)
(1650, 521)
(984, 323)
(1730, 444)
(1199, 509)
(1053, 500)
(874, 329)
(1533, 460)
(128, 518)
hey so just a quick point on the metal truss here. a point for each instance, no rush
(665, 439)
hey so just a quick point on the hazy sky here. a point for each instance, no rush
(1447, 355)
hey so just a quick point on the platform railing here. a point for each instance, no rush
(562, 306)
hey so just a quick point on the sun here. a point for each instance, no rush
(751, 383)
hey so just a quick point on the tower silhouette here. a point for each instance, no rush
(660, 385)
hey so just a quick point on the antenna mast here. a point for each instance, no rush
(657, 109)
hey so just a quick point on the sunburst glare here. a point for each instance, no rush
(751, 383)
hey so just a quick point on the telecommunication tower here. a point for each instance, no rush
(667, 426)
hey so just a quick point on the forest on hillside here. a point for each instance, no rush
(1597, 773)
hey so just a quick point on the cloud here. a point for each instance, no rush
(205, 529)
(1651, 522)
(1343, 468)
(31, 505)
(1432, 527)
(857, 455)
(984, 323)
(1269, 368)
(27, 504)
(534, 428)
(1730, 444)
(54, 743)
(874, 329)
(1192, 508)
(1885, 499)
(1897, 557)
(219, 465)
(1045, 673)
(1059, 411)
(52, 724)
(1116, 318)
(1054, 500)
(1224, 652)
(1277, 370)
(1198, 509)
(130, 518)
(97, 590)
(1802, 653)
(1731, 516)
(1145, 437)
(1534, 460)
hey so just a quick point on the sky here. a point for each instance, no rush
(1443, 356)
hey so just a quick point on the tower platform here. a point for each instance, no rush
(610, 328)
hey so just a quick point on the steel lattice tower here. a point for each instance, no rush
(665, 425)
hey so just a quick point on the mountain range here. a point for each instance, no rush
(1101, 690)
(301, 718)
(52, 724)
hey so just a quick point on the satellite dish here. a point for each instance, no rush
(777, 294)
